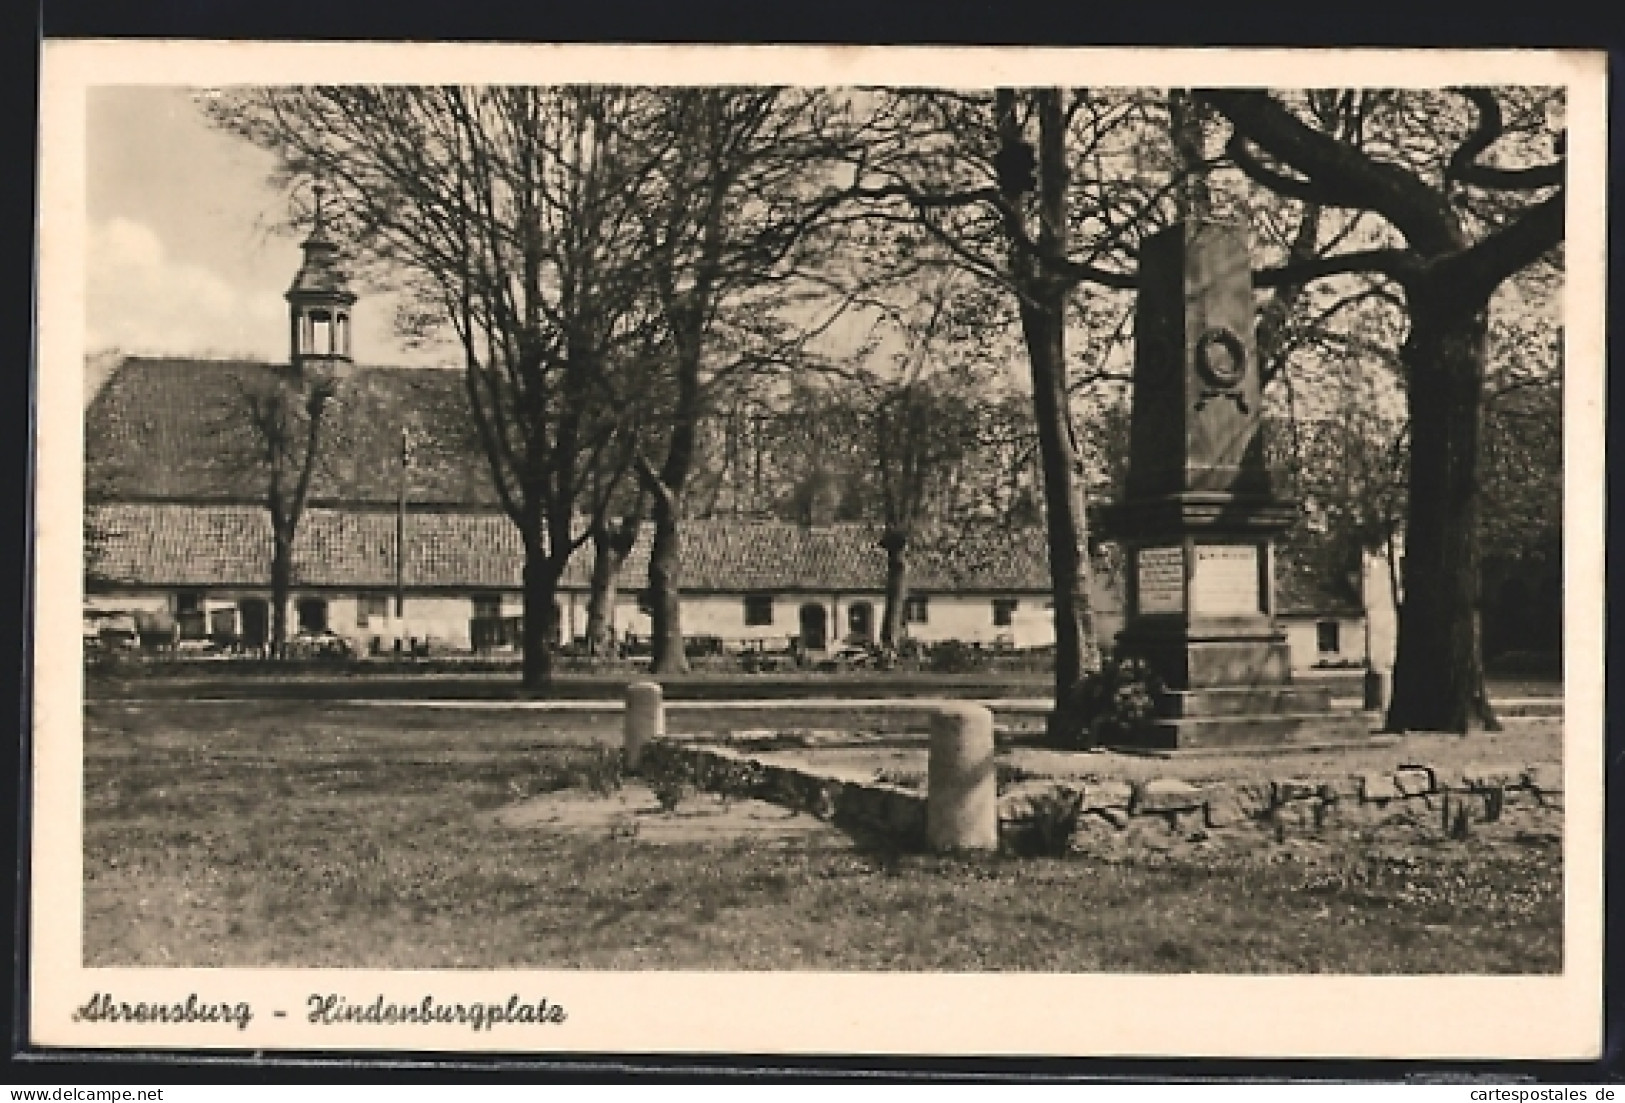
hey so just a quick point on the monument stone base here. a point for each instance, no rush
(1282, 726)
(1234, 691)
(1213, 661)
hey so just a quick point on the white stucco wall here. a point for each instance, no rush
(444, 619)
(950, 616)
(1378, 587)
(723, 616)
(440, 620)
(128, 602)
(1302, 637)
(969, 618)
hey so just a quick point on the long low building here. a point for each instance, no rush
(176, 524)
(403, 544)
(746, 583)
(174, 529)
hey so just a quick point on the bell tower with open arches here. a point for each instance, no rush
(319, 305)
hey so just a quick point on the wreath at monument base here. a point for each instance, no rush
(1112, 706)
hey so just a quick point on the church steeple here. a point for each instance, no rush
(319, 303)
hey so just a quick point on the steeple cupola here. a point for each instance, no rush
(319, 304)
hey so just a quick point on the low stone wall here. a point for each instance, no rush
(1418, 800)
(890, 811)
(1157, 814)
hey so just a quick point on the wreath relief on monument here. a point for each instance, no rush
(1221, 361)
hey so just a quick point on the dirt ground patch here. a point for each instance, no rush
(635, 813)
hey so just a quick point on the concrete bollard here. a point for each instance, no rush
(962, 797)
(1376, 689)
(645, 719)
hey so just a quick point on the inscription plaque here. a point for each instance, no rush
(1160, 579)
(1224, 579)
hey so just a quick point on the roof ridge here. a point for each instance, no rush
(192, 360)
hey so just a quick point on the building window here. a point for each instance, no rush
(188, 602)
(487, 606)
(917, 609)
(1326, 637)
(368, 606)
(1004, 611)
(758, 610)
(312, 615)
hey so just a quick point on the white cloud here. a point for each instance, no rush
(140, 300)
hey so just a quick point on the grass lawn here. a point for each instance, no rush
(301, 834)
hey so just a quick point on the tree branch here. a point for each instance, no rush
(1475, 273)
(1394, 263)
(1465, 169)
(1339, 174)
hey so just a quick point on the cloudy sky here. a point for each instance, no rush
(183, 257)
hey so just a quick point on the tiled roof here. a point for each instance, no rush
(167, 544)
(735, 555)
(173, 544)
(178, 429)
(175, 492)
(321, 274)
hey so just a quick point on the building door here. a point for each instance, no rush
(312, 614)
(814, 628)
(189, 614)
(860, 622)
(256, 621)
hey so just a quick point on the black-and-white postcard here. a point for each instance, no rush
(784, 550)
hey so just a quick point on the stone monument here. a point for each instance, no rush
(1199, 520)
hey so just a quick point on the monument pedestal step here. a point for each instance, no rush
(1179, 704)
(1263, 750)
(1257, 730)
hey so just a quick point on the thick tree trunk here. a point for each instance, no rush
(891, 622)
(665, 592)
(601, 598)
(1076, 653)
(1043, 300)
(610, 547)
(1439, 670)
(281, 583)
(667, 488)
(541, 580)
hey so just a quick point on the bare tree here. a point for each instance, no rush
(512, 216)
(612, 541)
(1457, 232)
(1013, 218)
(734, 239)
(287, 411)
(917, 420)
